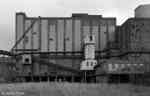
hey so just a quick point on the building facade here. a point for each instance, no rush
(59, 42)
(62, 34)
(134, 37)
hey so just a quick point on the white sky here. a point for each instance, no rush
(121, 9)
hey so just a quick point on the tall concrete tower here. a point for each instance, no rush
(89, 53)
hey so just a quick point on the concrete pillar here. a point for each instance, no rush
(32, 79)
(72, 79)
(40, 78)
(36, 68)
(56, 77)
(48, 78)
(85, 76)
(64, 79)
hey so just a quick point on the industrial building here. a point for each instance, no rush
(62, 34)
(60, 41)
(82, 47)
(134, 36)
(132, 39)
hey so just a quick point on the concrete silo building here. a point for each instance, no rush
(59, 40)
(142, 11)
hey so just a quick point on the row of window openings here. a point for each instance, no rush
(125, 65)
(34, 33)
(90, 63)
(67, 39)
(51, 39)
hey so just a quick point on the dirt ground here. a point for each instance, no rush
(72, 89)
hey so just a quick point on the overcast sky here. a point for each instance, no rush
(121, 9)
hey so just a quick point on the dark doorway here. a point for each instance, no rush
(119, 78)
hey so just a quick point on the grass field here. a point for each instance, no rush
(72, 89)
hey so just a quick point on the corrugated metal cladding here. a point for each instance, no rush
(63, 34)
(135, 33)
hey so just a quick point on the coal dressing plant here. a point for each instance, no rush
(79, 48)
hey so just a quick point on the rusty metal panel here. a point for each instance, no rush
(77, 35)
(60, 33)
(44, 33)
(52, 36)
(27, 39)
(68, 35)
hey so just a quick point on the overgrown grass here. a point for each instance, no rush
(75, 89)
